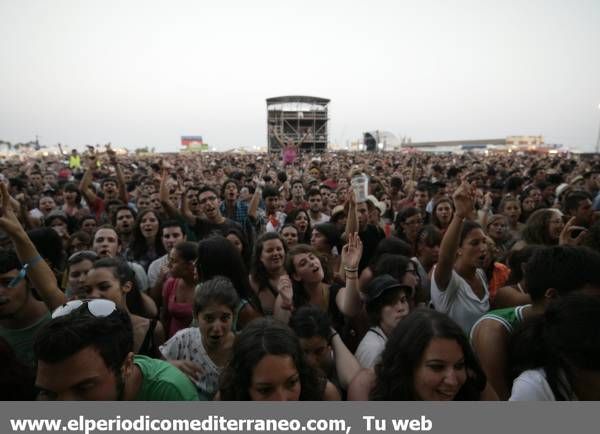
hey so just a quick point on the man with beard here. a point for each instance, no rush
(298, 201)
(86, 353)
(123, 221)
(107, 244)
(315, 210)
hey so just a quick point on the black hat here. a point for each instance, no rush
(381, 284)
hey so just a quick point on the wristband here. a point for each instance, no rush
(34, 261)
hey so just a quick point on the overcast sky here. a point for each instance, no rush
(146, 72)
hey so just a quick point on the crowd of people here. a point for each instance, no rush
(282, 277)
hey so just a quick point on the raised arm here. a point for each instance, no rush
(463, 203)
(303, 138)
(255, 200)
(348, 299)
(84, 185)
(120, 178)
(39, 273)
(352, 220)
(186, 213)
(486, 210)
(164, 195)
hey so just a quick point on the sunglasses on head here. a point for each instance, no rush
(99, 308)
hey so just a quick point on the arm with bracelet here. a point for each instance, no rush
(346, 364)
(348, 299)
(39, 273)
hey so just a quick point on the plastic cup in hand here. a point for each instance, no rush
(360, 185)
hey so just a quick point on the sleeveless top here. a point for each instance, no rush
(509, 317)
(148, 347)
(236, 315)
(179, 314)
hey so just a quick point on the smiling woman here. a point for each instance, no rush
(427, 358)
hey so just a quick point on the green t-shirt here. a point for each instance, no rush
(163, 382)
(21, 340)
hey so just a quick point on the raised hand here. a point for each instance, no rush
(571, 234)
(286, 292)
(8, 219)
(351, 197)
(464, 200)
(259, 180)
(487, 200)
(352, 252)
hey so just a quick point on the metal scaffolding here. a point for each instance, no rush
(296, 118)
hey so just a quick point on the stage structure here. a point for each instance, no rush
(297, 118)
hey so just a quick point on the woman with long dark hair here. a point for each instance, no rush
(240, 242)
(218, 257)
(325, 237)
(442, 212)
(426, 358)
(178, 289)
(301, 220)
(72, 202)
(114, 280)
(268, 364)
(543, 227)
(427, 252)
(146, 244)
(267, 268)
(308, 287)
